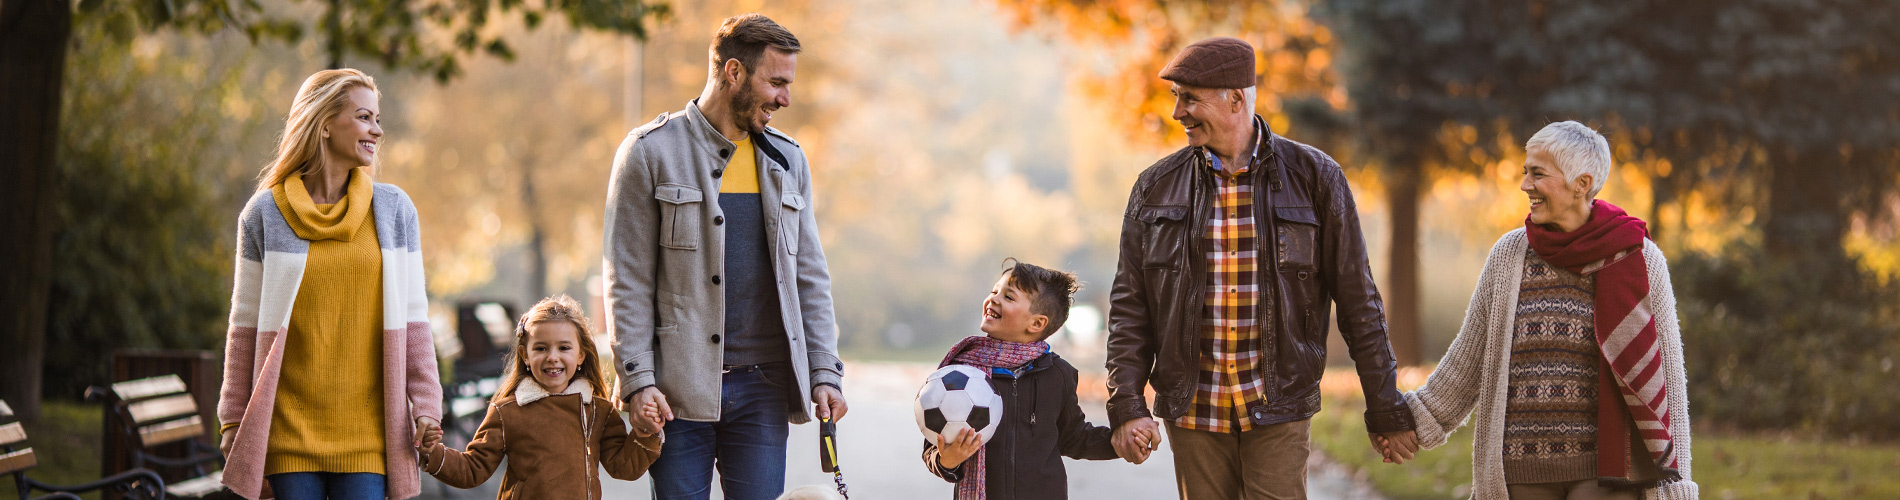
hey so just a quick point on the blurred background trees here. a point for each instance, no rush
(47, 259)
(1756, 136)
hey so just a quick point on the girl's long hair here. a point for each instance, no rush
(320, 99)
(557, 308)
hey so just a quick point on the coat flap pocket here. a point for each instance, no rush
(1297, 215)
(678, 194)
(1153, 214)
(793, 200)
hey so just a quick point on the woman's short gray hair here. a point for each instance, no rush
(1577, 149)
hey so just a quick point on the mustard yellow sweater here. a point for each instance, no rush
(329, 409)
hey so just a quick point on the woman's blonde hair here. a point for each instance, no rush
(320, 99)
(556, 308)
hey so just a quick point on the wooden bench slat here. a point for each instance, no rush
(147, 387)
(5, 411)
(157, 434)
(162, 408)
(199, 487)
(12, 433)
(17, 461)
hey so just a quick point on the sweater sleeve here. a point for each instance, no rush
(240, 344)
(468, 469)
(624, 456)
(1449, 394)
(1675, 379)
(422, 378)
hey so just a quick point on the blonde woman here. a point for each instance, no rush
(1570, 359)
(330, 372)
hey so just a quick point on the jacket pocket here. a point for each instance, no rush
(680, 208)
(1166, 236)
(790, 214)
(1297, 241)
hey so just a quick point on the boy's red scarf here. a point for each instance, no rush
(986, 353)
(1610, 246)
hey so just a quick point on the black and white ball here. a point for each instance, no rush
(958, 397)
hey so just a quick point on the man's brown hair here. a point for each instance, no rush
(745, 37)
(1051, 292)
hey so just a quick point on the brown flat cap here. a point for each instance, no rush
(1219, 62)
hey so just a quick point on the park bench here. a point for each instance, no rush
(157, 411)
(16, 457)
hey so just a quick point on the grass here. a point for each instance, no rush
(1726, 466)
(66, 442)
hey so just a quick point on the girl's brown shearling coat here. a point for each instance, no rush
(556, 443)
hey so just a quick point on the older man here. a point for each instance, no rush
(1233, 251)
(720, 297)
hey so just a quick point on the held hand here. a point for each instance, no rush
(429, 438)
(224, 442)
(650, 415)
(952, 454)
(425, 426)
(1135, 439)
(645, 398)
(1396, 447)
(829, 402)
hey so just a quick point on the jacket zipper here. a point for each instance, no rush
(587, 437)
(1012, 442)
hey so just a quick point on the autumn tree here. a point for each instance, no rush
(401, 34)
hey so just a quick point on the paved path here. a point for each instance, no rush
(880, 446)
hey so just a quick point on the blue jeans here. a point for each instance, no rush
(747, 443)
(321, 485)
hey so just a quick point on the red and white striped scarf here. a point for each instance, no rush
(986, 353)
(1610, 246)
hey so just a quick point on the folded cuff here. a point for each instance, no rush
(635, 373)
(1679, 490)
(1430, 434)
(826, 369)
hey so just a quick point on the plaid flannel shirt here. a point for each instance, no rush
(1230, 381)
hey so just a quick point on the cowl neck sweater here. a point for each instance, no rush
(315, 222)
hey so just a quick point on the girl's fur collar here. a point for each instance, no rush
(529, 391)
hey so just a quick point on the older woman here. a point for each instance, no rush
(328, 359)
(1570, 351)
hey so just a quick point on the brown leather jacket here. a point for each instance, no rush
(1155, 305)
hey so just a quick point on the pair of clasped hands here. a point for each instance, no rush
(1134, 440)
(429, 434)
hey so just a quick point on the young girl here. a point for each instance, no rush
(556, 423)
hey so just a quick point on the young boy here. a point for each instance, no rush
(1042, 422)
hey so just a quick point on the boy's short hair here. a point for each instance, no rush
(1052, 292)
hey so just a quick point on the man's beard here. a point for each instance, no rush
(745, 105)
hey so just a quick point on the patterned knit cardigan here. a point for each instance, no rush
(270, 268)
(1475, 371)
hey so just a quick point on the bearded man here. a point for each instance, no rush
(716, 284)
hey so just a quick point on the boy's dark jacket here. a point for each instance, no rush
(1042, 422)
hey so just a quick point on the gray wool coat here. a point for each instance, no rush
(664, 254)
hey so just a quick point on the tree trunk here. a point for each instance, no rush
(1401, 284)
(537, 237)
(33, 39)
(335, 45)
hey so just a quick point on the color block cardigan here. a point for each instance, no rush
(270, 266)
(1474, 372)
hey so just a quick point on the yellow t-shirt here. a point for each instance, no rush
(742, 172)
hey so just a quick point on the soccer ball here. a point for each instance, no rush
(958, 397)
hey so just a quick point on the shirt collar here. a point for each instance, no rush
(1253, 152)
